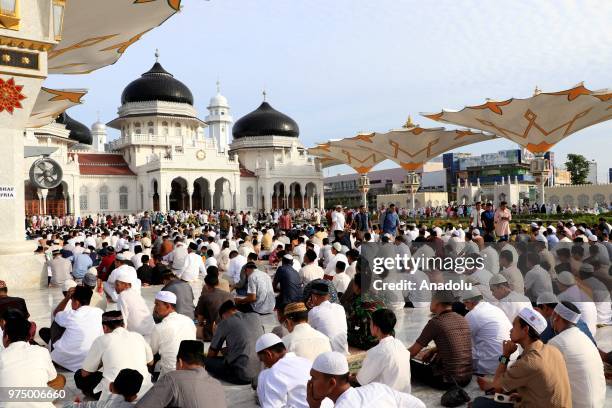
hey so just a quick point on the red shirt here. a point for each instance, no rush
(284, 222)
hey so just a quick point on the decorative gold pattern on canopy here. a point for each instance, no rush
(90, 42)
(538, 122)
(347, 152)
(411, 147)
(50, 103)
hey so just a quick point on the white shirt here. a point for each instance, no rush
(82, 326)
(601, 296)
(215, 248)
(235, 265)
(210, 261)
(311, 272)
(136, 315)
(537, 280)
(513, 303)
(300, 250)
(178, 256)
(25, 365)
(338, 221)
(193, 267)
(588, 310)
(584, 368)
(489, 327)
(376, 395)
(118, 350)
(306, 342)
(387, 363)
(109, 285)
(341, 282)
(284, 384)
(330, 269)
(167, 336)
(330, 319)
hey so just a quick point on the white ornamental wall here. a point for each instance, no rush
(96, 192)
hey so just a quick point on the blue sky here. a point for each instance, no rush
(340, 67)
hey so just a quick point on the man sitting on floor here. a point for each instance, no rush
(328, 318)
(239, 331)
(538, 378)
(302, 339)
(450, 361)
(189, 386)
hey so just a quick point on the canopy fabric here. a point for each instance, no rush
(538, 122)
(96, 33)
(346, 151)
(50, 103)
(411, 147)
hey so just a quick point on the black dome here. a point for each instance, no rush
(78, 131)
(157, 84)
(265, 121)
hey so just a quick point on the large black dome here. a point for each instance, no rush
(157, 84)
(78, 131)
(265, 121)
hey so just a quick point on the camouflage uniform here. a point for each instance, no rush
(359, 315)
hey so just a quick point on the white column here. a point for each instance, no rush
(190, 199)
(44, 193)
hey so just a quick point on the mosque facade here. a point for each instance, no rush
(167, 158)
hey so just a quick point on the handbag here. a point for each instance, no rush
(455, 396)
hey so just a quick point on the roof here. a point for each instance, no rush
(265, 121)
(103, 164)
(246, 173)
(157, 84)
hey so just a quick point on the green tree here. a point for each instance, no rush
(578, 166)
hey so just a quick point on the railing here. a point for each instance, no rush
(162, 140)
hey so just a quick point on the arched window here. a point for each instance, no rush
(583, 200)
(104, 198)
(177, 130)
(123, 198)
(165, 128)
(250, 200)
(137, 129)
(150, 124)
(83, 204)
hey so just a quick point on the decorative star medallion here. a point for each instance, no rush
(10, 96)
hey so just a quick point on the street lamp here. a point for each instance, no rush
(364, 187)
(412, 183)
(539, 167)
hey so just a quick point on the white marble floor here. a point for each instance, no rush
(410, 322)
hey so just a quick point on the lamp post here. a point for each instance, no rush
(364, 186)
(412, 183)
(28, 29)
(540, 168)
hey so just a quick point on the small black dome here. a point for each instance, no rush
(157, 84)
(265, 121)
(78, 131)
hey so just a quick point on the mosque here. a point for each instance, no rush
(167, 158)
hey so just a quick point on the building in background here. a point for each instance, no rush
(562, 177)
(342, 189)
(592, 174)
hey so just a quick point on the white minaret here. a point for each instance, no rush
(98, 134)
(219, 120)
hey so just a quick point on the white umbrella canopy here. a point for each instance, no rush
(413, 146)
(347, 151)
(50, 103)
(97, 32)
(538, 122)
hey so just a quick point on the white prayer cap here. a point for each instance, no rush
(541, 238)
(587, 268)
(86, 251)
(189, 275)
(438, 231)
(546, 298)
(288, 257)
(344, 249)
(166, 296)
(497, 279)
(455, 233)
(93, 270)
(534, 225)
(593, 238)
(123, 256)
(475, 232)
(125, 275)
(566, 278)
(471, 294)
(534, 319)
(553, 229)
(68, 284)
(331, 363)
(566, 313)
(126, 247)
(266, 340)
(212, 234)
(337, 246)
